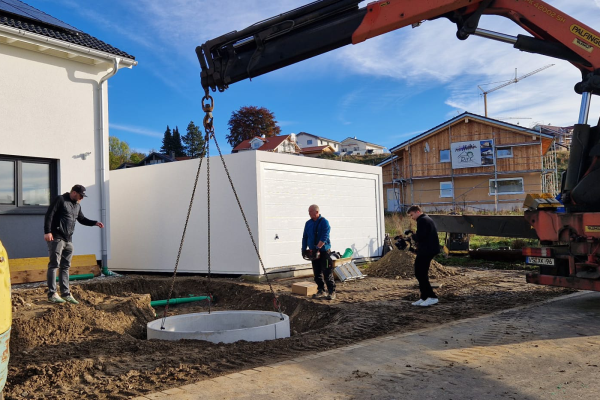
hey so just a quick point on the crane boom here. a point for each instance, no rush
(325, 25)
(510, 82)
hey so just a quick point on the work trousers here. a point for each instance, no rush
(60, 253)
(323, 268)
(422, 263)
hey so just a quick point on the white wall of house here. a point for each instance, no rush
(48, 109)
(306, 140)
(275, 190)
(359, 147)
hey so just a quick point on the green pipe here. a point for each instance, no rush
(160, 303)
(107, 272)
(78, 277)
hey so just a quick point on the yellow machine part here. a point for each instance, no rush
(5, 304)
(545, 200)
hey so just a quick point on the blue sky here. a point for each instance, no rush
(384, 90)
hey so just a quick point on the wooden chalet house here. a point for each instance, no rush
(470, 163)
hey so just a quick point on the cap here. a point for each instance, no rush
(79, 189)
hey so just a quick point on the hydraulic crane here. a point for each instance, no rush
(571, 240)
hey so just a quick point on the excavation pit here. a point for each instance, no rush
(222, 326)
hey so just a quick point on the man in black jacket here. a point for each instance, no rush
(59, 226)
(428, 246)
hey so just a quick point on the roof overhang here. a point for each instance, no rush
(467, 115)
(387, 161)
(58, 48)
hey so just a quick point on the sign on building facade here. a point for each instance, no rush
(477, 153)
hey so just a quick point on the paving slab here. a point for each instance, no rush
(544, 351)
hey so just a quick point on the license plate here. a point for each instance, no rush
(540, 260)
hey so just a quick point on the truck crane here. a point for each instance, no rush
(570, 240)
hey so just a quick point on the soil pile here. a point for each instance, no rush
(51, 325)
(97, 349)
(400, 263)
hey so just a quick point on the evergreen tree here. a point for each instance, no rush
(167, 142)
(177, 144)
(193, 141)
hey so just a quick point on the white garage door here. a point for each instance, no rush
(349, 200)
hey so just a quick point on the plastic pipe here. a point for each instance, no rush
(160, 303)
(78, 277)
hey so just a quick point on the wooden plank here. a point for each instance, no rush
(38, 275)
(41, 263)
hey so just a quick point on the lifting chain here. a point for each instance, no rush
(209, 131)
(208, 106)
(208, 126)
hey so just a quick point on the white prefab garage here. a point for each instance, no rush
(149, 206)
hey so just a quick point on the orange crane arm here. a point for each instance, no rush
(326, 25)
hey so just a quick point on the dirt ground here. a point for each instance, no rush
(97, 349)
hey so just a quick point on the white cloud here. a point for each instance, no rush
(286, 123)
(423, 58)
(432, 56)
(136, 130)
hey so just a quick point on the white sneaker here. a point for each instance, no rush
(429, 302)
(418, 302)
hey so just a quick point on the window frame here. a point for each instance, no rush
(498, 156)
(19, 207)
(449, 158)
(451, 190)
(506, 179)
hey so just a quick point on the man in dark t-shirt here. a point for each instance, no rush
(428, 246)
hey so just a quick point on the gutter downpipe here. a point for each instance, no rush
(103, 234)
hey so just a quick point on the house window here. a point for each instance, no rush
(344, 149)
(507, 186)
(356, 149)
(7, 182)
(256, 144)
(26, 184)
(444, 155)
(446, 189)
(504, 152)
(309, 141)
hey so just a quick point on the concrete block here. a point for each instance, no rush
(304, 288)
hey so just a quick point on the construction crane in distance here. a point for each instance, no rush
(510, 82)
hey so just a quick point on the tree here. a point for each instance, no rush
(167, 142)
(178, 148)
(251, 121)
(118, 152)
(193, 141)
(136, 157)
